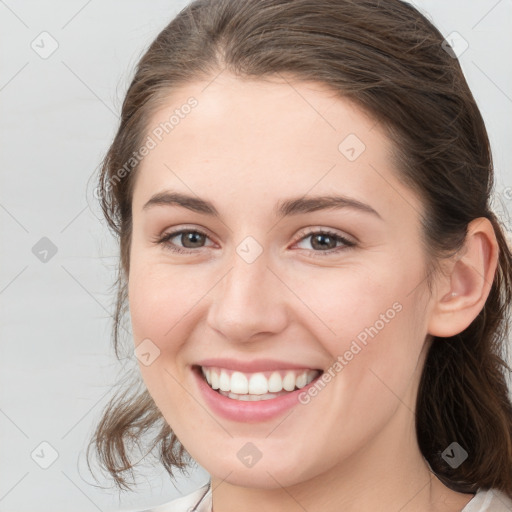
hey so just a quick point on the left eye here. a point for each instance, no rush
(324, 242)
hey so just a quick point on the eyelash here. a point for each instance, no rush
(348, 244)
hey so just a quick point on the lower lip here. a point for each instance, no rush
(244, 411)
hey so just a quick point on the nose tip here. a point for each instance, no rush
(247, 302)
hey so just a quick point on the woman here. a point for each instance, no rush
(317, 286)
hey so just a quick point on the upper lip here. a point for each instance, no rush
(257, 365)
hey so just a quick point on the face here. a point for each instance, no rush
(276, 254)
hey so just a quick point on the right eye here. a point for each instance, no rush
(189, 238)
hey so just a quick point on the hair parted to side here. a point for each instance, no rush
(387, 58)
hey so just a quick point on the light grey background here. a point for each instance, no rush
(58, 115)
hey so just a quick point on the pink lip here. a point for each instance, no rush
(246, 412)
(259, 365)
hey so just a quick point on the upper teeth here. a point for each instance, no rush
(257, 383)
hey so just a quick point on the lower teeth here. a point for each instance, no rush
(252, 398)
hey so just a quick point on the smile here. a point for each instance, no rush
(257, 386)
(252, 391)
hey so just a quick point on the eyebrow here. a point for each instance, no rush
(293, 206)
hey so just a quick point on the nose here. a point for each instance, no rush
(249, 303)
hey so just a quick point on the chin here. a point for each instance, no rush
(272, 473)
(257, 478)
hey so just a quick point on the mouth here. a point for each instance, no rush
(256, 386)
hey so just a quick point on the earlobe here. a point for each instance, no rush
(464, 289)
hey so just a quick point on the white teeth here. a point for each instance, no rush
(224, 382)
(249, 398)
(239, 384)
(215, 379)
(207, 375)
(289, 381)
(275, 383)
(301, 380)
(259, 385)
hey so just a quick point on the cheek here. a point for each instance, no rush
(156, 309)
(375, 355)
(371, 325)
(160, 299)
(352, 303)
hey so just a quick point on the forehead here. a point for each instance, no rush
(267, 138)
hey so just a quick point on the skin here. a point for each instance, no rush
(246, 146)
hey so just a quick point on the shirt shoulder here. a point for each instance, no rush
(485, 500)
(489, 500)
(197, 501)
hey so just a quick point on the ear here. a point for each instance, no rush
(464, 288)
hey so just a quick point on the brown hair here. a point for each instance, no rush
(388, 59)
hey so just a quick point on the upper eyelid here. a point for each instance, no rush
(315, 230)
